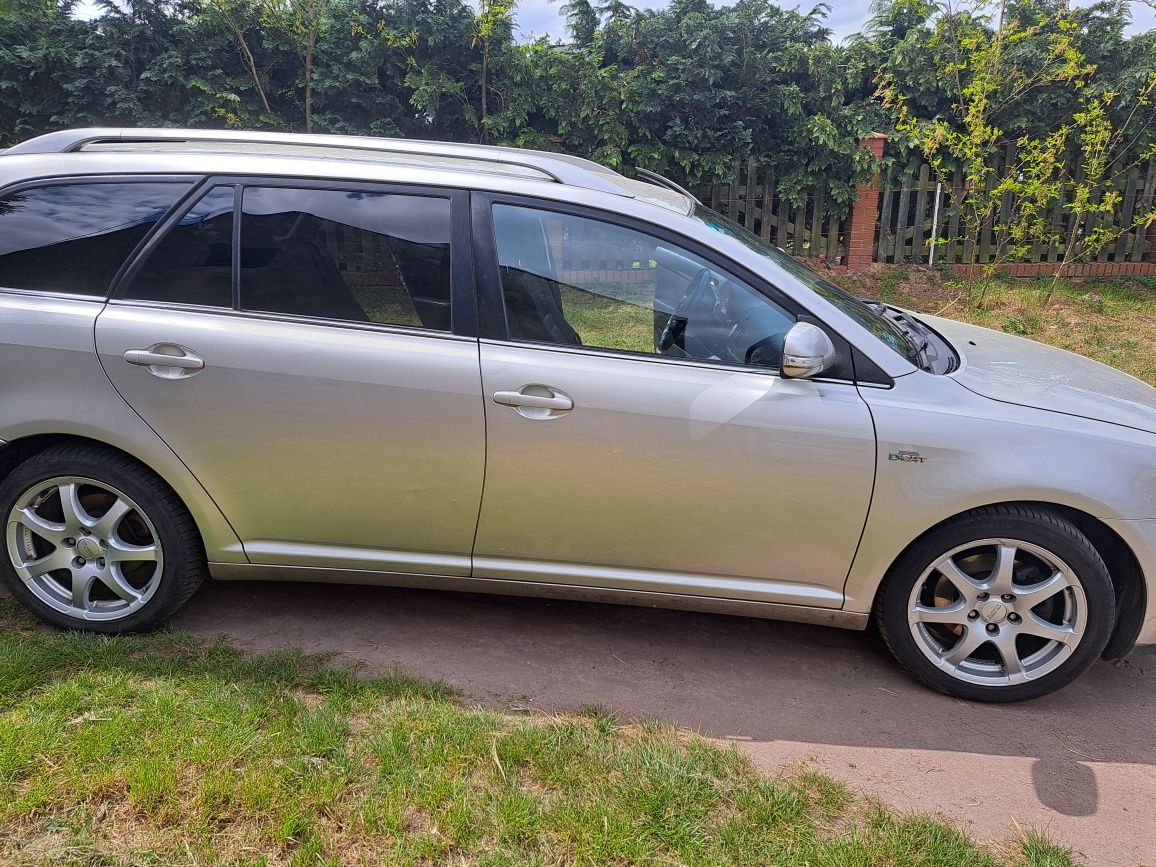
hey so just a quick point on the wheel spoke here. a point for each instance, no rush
(955, 614)
(1035, 625)
(47, 530)
(58, 559)
(963, 583)
(1005, 643)
(121, 552)
(1034, 594)
(1000, 581)
(75, 516)
(114, 580)
(80, 586)
(972, 640)
(106, 526)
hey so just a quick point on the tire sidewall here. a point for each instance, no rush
(160, 514)
(1043, 529)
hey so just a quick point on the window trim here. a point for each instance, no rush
(494, 329)
(193, 180)
(463, 310)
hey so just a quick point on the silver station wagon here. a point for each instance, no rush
(324, 358)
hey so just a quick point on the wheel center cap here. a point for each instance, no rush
(993, 611)
(88, 548)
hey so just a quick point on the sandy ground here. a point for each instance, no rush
(1079, 765)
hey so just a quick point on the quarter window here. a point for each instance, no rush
(73, 238)
(193, 263)
(581, 282)
(347, 255)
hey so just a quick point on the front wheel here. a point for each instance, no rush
(1001, 604)
(97, 542)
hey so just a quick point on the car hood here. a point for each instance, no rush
(1016, 370)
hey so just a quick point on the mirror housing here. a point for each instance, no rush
(807, 351)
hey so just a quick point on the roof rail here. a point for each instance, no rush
(661, 181)
(562, 168)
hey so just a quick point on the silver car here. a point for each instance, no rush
(323, 358)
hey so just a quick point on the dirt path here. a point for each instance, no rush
(1080, 765)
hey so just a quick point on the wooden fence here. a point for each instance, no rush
(912, 212)
(908, 222)
(750, 197)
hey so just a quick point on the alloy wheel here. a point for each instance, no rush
(998, 612)
(84, 548)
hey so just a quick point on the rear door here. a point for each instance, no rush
(308, 349)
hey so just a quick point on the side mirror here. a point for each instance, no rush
(807, 351)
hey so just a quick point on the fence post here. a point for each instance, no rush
(865, 211)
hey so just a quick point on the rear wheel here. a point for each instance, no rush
(95, 541)
(1001, 604)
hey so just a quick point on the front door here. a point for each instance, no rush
(639, 436)
(311, 379)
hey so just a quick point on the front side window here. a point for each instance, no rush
(73, 237)
(879, 326)
(581, 282)
(347, 255)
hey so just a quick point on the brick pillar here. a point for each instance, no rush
(865, 211)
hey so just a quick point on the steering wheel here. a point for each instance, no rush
(676, 324)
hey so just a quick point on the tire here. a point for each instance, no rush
(1000, 604)
(95, 541)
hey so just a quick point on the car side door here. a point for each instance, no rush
(307, 349)
(640, 436)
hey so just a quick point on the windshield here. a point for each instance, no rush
(879, 326)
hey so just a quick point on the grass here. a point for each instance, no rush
(165, 749)
(1113, 321)
(608, 322)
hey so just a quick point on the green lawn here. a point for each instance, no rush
(164, 749)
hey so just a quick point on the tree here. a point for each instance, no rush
(235, 16)
(495, 29)
(615, 10)
(300, 23)
(582, 21)
(1084, 140)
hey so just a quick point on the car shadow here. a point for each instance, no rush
(726, 677)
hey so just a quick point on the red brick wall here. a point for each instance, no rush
(1046, 269)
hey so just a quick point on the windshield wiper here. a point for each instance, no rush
(908, 327)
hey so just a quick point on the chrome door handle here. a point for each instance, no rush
(535, 401)
(144, 358)
(166, 360)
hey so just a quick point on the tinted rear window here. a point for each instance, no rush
(73, 237)
(347, 255)
(193, 263)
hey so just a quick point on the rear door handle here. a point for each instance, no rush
(535, 401)
(166, 360)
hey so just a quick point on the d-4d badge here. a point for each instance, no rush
(907, 457)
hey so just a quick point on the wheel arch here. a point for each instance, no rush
(217, 536)
(1124, 568)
